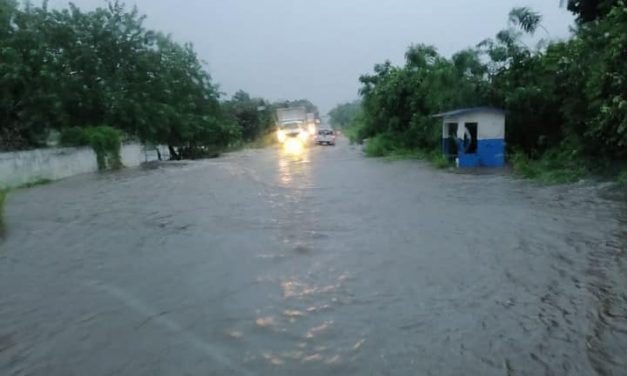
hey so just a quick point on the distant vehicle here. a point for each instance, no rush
(292, 123)
(325, 136)
(312, 121)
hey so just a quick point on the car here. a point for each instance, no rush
(325, 136)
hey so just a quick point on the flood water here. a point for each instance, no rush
(327, 263)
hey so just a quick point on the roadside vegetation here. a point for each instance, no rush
(104, 140)
(99, 78)
(255, 118)
(566, 99)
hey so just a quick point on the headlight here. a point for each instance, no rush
(280, 136)
(293, 147)
(303, 135)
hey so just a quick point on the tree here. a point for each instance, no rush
(566, 99)
(72, 69)
(590, 10)
(253, 116)
(343, 114)
(526, 19)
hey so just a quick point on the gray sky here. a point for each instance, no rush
(316, 49)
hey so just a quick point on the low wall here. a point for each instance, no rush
(22, 167)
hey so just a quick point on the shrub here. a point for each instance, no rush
(104, 140)
(556, 166)
(379, 146)
(521, 164)
(439, 160)
(73, 137)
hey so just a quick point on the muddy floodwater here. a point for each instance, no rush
(327, 263)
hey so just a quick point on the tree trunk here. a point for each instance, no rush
(174, 156)
(158, 153)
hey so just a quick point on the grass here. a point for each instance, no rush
(262, 142)
(439, 160)
(352, 133)
(383, 146)
(554, 167)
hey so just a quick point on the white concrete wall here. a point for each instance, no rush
(22, 167)
(491, 125)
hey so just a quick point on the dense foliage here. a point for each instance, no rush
(590, 10)
(342, 115)
(67, 68)
(254, 116)
(104, 140)
(567, 98)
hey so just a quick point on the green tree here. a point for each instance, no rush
(67, 68)
(253, 116)
(343, 114)
(590, 10)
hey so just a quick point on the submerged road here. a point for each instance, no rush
(328, 263)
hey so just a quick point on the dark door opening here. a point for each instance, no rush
(470, 138)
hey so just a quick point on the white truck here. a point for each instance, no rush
(312, 122)
(292, 123)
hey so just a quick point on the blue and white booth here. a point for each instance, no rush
(474, 136)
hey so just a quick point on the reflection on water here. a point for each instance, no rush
(391, 269)
(293, 163)
(311, 333)
(264, 322)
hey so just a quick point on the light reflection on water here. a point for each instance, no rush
(294, 167)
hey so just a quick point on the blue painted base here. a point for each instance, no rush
(490, 153)
(468, 160)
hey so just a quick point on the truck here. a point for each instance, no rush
(312, 122)
(292, 123)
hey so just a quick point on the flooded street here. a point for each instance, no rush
(264, 263)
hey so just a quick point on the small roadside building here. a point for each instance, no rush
(474, 136)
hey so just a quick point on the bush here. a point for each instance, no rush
(106, 142)
(439, 160)
(556, 166)
(521, 164)
(263, 141)
(353, 134)
(73, 137)
(379, 146)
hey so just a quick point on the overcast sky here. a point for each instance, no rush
(316, 49)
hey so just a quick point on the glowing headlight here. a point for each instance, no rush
(303, 135)
(280, 136)
(293, 146)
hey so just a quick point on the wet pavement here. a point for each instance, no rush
(328, 263)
